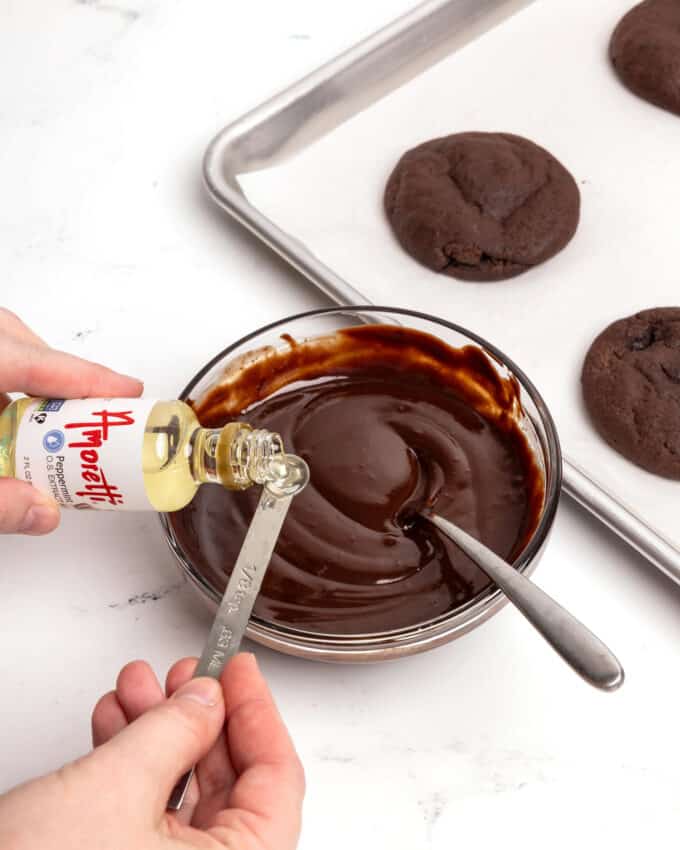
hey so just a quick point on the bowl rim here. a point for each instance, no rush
(422, 636)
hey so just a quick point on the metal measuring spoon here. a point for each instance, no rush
(578, 646)
(290, 476)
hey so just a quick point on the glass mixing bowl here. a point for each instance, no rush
(539, 430)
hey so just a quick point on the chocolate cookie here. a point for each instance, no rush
(631, 387)
(481, 206)
(645, 50)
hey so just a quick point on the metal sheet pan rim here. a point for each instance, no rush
(264, 135)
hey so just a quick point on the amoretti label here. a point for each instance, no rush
(85, 453)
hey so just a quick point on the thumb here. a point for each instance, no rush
(161, 745)
(26, 510)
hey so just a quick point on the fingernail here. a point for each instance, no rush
(39, 519)
(204, 691)
(252, 660)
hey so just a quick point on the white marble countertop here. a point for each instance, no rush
(108, 246)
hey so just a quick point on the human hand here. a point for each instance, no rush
(29, 365)
(246, 795)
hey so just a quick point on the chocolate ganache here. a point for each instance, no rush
(390, 420)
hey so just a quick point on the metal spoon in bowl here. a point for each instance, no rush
(578, 646)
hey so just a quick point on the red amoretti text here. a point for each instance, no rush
(97, 488)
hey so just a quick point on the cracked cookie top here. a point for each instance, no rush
(481, 206)
(631, 387)
(645, 52)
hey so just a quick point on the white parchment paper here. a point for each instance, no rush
(543, 74)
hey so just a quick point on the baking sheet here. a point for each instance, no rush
(543, 74)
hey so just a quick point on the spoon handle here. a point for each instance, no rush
(233, 615)
(578, 646)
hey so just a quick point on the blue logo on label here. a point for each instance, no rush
(53, 441)
(52, 405)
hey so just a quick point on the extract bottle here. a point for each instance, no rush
(129, 454)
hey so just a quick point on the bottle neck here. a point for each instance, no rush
(235, 456)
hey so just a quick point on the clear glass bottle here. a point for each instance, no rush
(129, 453)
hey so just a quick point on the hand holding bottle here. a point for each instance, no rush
(28, 365)
(92, 443)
